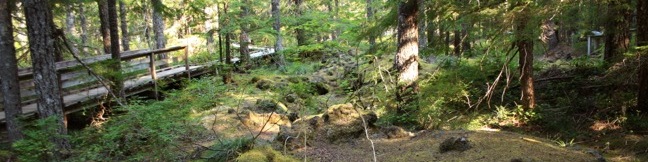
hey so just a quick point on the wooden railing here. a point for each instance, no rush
(75, 79)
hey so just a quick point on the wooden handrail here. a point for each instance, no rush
(63, 66)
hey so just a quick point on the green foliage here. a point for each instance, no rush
(264, 153)
(37, 145)
(150, 131)
(229, 149)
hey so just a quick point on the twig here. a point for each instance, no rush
(364, 125)
(264, 125)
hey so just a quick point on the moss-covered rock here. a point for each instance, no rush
(320, 88)
(393, 132)
(340, 122)
(455, 144)
(264, 84)
(270, 106)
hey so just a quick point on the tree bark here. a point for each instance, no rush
(549, 34)
(125, 39)
(84, 29)
(227, 75)
(40, 28)
(370, 17)
(158, 26)
(278, 47)
(118, 88)
(406, 60)
(465, 37)
(244, 39)
(422, 25)
(524, 44)
(642, 41)
(457, 43)
(617, 35)
(104, 24)
(69, 19)
(301, 34)
(9, 82)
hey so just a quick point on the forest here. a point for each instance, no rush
(324, 80)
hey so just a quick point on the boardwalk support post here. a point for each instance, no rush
(153, 75)
(186, 60)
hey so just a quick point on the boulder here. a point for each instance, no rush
(270, 106)
(455, 144)
(393, 132)
(264, 84)
(339, 122)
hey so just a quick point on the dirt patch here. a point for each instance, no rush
(486, 146)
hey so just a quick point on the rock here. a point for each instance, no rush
(320, 88)
(291, 98)
(293, 116)
(252, 119)
(342, 114)
(264, 84)
(393, 132)
(562, 51)
(455, 144)
(255, 79)
(340, 122)
(270, 106)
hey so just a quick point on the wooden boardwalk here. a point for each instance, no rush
(77, 101)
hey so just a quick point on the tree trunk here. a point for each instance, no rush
(301, 34)
(104, 24)
(84, 29)
(406, 60)
(69, 20)
(370, 17)
(158, 26)
(278, 47)
(125, 40)
(422, 25)
(227, 75)
(430, 33)
(446, 45)
(9, 82)
(244, 39)
(524, 44)
(465, 37)
(549, 34)
(617, 35)
(118, 88)
(40, 28)
(457, 43)
(642, 40)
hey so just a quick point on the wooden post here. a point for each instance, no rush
(186, 59)
(153, 74)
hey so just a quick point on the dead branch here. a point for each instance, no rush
(100, 79)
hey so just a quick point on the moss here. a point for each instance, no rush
(264, 153)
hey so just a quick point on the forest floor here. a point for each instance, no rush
(264, 111)
(314, 111)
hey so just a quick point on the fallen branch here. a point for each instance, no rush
(76, 57)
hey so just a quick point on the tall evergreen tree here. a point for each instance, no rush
(278, 47)
(642, 41)
(40, 31)
(406, 60)
(9, 82)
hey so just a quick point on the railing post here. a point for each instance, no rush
(153, 74)
(186, 59)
